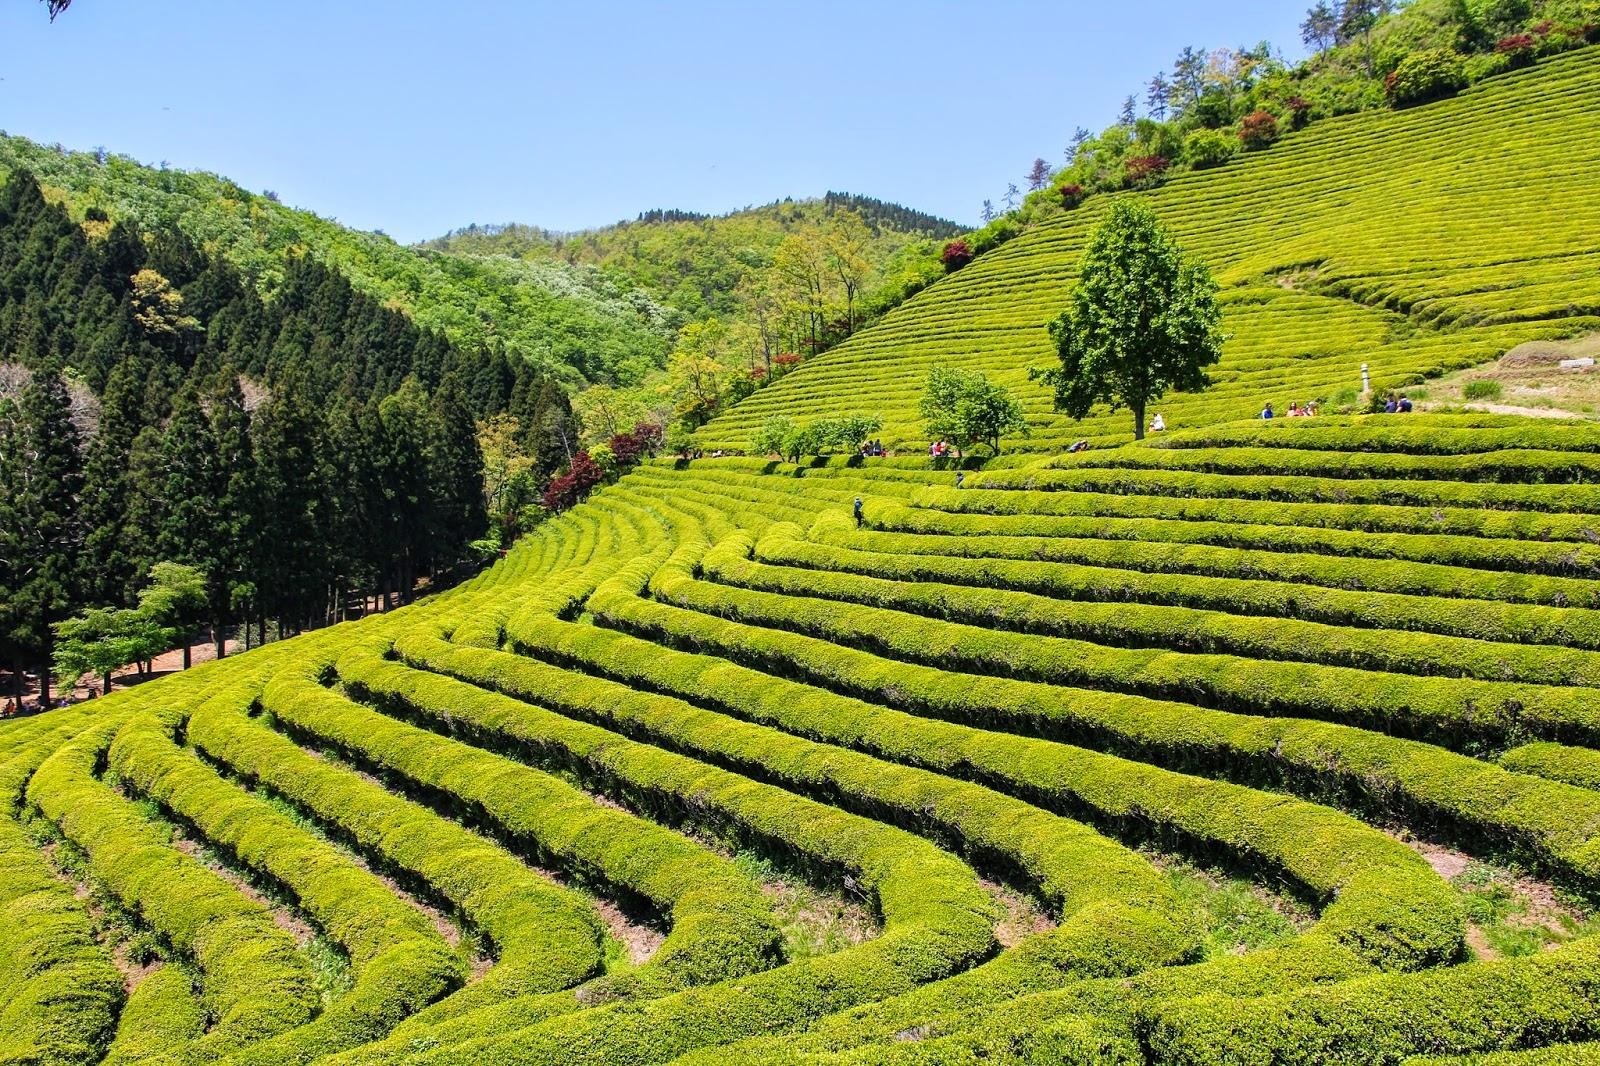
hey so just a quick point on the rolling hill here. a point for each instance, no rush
(572, 321)
(1257, 743)
(694, 263)
(1412, 241)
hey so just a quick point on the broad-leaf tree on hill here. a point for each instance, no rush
(1143, 319)
(964, 408)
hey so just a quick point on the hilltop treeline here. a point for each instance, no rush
(881, 214)
(755, 292)
(299, 451)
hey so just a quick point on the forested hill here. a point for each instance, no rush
(572, 321)
(297, 453)
(695, 263)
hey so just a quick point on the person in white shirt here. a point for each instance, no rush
(1158, 424)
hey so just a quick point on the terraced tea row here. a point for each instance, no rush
(975, 687)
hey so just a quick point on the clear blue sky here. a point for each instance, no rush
(420, 115)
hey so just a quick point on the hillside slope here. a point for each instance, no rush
(570, 320)
(1415, 241)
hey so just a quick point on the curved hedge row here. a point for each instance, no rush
(1449, 711)
(1553, 997)
(982, 511)
(836, 545)
(400, 961)
(546, 938)
(1553, 825)
(1542, 502)
(1136, 625)
(1506, 465)
(256, 983)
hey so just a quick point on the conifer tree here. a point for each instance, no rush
(114, 555)
(290, 486)
(455, 474)
(233, 532)
(42, 531)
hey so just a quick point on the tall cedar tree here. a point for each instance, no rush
(230, 590)
(40, 530)
(1143, 319)
(115, 555)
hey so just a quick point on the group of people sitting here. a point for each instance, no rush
(873, 449)
(1397, 405)
(1296, 410)
(939, 449)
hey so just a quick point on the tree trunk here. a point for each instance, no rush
(105, 683)
(44, 686)
(1138, 420)
(187, 659)
(219, 638)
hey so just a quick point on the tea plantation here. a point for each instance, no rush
(1347, 663)
(1416, 241)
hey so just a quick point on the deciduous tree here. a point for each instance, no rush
(1143, 319)
(966, 408)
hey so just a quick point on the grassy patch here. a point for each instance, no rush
(813, 922)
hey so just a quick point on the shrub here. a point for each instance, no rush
(1144, 169)
(1299, 112)
(1209, 148)
(1424, 76)
(642, 442)
(1070, 194)
(1482, 389)
(956, 255)
(568, 489)
(1258, 130)
(1518, 48)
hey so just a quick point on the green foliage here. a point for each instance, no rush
(1143, 319)
(1482, 389)
(790, 441)
(1209, 148)
(1424, 76)
(966, 409)
(101, 641)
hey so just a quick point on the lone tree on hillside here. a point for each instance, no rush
(965, 408)
(1143, 319)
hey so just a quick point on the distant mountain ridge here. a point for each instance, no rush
(879, 214)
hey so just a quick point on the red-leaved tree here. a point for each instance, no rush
(956, 255)
(1258, 129)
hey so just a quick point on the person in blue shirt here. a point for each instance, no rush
(1266, 412)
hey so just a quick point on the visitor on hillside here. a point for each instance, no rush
(859, 516)
(1266, 412)
(1391, 405)
(1078, 446)
(1404, 404)
(1158, 424)
(961, 478)
(1308, 409)
(11, 708)
(1293, 411)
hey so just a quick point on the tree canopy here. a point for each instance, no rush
(965, 408)
(1143, 319)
